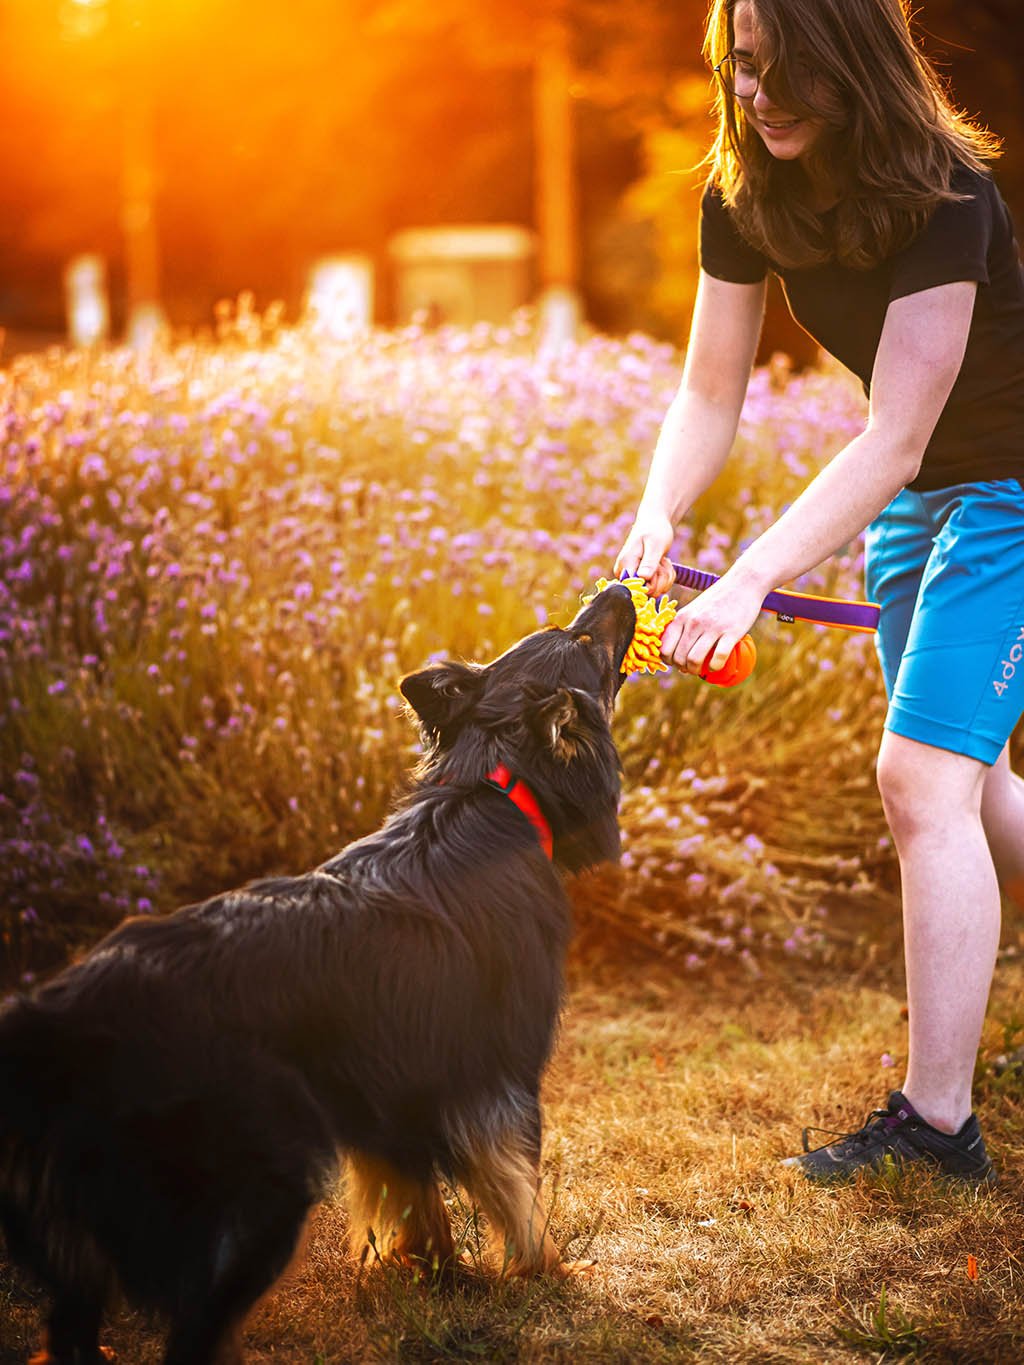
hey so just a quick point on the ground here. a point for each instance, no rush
(669, 1103)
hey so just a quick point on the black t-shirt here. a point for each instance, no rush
(980, 434)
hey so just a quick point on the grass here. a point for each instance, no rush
(668, 1108)
(215, 563)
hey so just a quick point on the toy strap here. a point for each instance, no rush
(796, 606)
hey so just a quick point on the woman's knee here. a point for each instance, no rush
(923, 788)
(900, 790)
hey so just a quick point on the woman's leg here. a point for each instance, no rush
(951, 914)
(1002, 814)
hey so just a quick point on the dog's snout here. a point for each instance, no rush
(610, 619)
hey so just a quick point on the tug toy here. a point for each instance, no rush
(644, 653)
(796, 606)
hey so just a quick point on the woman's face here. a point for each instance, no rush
(787, 137)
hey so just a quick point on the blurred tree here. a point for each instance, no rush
(979, 48)
(285, 131)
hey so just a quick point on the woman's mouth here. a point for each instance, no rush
(780, 125)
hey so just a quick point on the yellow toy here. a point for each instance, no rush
(644, 653)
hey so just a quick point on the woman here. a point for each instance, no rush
(841, 165)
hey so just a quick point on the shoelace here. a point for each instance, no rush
(861, 1135)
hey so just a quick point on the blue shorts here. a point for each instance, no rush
(947, 568)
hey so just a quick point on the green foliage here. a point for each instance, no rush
(883, 1328)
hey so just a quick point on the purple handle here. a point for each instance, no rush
(825, 611)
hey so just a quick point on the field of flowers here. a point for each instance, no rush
(217, 560)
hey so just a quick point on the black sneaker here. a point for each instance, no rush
(897, 1136)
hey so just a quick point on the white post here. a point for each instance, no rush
(86, 305)
(559, 318)
(340, 295)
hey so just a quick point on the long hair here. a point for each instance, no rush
(890, 140)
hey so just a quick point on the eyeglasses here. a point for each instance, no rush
(739, 75)
(742, 79)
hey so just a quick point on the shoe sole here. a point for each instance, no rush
(982, 1179)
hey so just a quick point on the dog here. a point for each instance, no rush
(173, 1104)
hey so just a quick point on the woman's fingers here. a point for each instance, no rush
(657, 574)
(661, 579)
(720, 655)
(638, 558)
(644, 553)
(694, 644)
(677, 645)
(651, 565)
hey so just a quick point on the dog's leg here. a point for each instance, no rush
(248, 1260)
(405, 1216)
(205, 1344)
(73, 1332)
(209, 1335)
(501, 1175)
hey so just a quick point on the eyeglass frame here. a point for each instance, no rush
(731, 86)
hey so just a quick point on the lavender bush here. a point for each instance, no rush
(216, 562)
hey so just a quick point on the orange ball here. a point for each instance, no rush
(739, 665)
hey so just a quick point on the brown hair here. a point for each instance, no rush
(890, 141)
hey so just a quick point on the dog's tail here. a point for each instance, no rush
(38, 1062)
(25, 1056)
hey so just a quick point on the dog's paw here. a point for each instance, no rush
(45, 1358)
(553, 1266)
(564, 1270)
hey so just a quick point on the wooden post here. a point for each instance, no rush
(144, 316)
(557, 210)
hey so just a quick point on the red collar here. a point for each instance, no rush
(520, 795)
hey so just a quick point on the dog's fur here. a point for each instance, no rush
(172, 1105)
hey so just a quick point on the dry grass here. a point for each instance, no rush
(669, 1104)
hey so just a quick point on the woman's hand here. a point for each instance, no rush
(645, 553)
(712, 624)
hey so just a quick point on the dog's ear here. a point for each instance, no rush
(442, 693)
(552, 717)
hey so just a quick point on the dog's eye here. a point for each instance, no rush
(584, 639)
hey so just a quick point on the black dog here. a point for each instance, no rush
(172, 1105)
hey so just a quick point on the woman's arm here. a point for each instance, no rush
(919, 356)
(700, 425)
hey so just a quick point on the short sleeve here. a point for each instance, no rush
(953, 245)
(723, 252)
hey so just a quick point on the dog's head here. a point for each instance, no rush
(544, 709)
